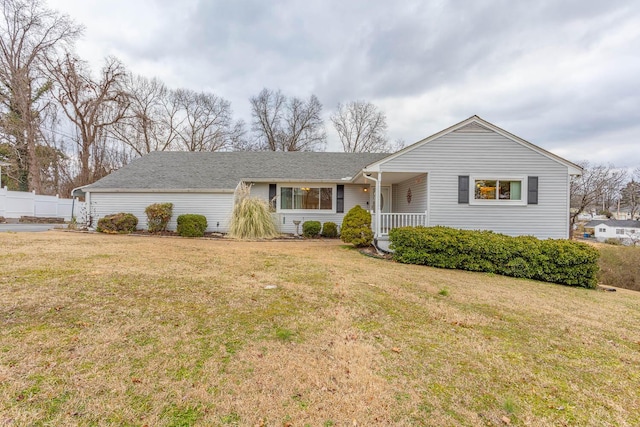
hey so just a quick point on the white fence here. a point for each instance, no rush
(14, 204)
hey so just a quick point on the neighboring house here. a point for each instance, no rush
(613, 229)
(2, 164)
(472, 175)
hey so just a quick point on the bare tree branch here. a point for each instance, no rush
(93, 106)
(361, 128)
(282, 124)
(151, 121)
(206, 122)
(589, 189)
(30, 36)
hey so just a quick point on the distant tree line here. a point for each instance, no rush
(64, 126)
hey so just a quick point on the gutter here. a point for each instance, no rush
(376, 203)
(161, 190)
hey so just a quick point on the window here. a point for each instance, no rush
(602, 230)
(306, 198)
(498, 189)
(619, 230)
(483, 190)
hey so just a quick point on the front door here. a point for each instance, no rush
(385, 200)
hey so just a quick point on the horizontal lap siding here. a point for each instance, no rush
(260, 190)
(215, 207)
(491, 155)
(353, 195)
(418, 187)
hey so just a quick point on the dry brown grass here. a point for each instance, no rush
(619, 266)
(120, 330)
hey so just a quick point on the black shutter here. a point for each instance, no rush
(532, 190)
(272, 196)
(340, 198)
(463, 189)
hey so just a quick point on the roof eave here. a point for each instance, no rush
(295, 180)
(158, 190)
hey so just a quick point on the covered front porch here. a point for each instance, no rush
(397, 199)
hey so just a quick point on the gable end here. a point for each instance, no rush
(473, 127)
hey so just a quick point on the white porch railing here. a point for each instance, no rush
(389, 221)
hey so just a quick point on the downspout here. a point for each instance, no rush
(376, 232)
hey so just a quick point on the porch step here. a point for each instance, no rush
(383, 243)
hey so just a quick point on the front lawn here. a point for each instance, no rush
(124, 330)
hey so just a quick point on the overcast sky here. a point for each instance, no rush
(562, 74)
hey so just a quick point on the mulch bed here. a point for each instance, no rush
(372, 252)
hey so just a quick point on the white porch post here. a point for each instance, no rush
(377, 202)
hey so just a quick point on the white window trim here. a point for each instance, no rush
(307, 211)
(524, 191)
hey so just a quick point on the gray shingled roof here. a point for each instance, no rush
(614, 223)
(223, 171)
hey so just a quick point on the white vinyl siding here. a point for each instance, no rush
(418, 187)
(604, 232)
(488, 154)
(216, 207)
(353, 195)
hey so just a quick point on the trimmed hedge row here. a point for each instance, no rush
(556, 261)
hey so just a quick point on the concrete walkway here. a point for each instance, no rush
(30, 228)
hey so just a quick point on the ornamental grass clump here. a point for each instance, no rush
(251, 218)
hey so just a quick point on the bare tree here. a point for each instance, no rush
(267, 110)
(588, 189)
(93, 106)
(361, 127)
(609, 195)
(150, 124)
(282, 124)
(206, 122)
(397, 145)
(30, 35)
(630, 195)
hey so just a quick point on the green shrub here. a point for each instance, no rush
(192, 225)
(556, 261)
(356, 227)
(330, 230)
(158, 216)
(311, 228)
(118, 223)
